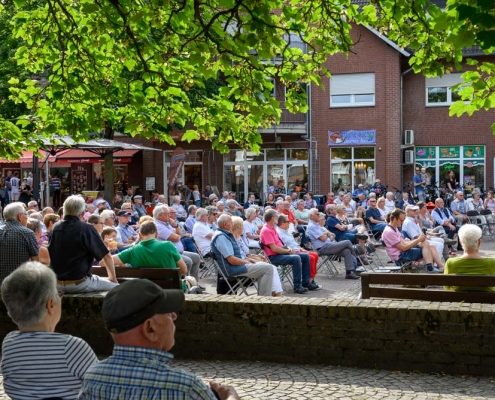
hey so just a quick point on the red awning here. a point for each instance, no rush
(27, 158)
(77, 156)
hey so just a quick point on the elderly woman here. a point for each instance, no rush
(237, 229)
(476, 204)
(231, 208)
(343, 218)
(389, 202)
(181, 211)
(380, 204)
(37, 362)
(471, 262)
(49, 220)
(301, 213)
(35, 226)
(252, 231)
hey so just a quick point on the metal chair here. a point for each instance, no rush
(237, 285)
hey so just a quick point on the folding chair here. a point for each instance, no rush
(376, 235)
(488, 223)
(208, 266)
(235, 284)
(284, 270)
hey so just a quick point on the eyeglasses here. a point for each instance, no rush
(25, 214)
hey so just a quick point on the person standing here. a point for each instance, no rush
(15, 186)
(57, 193)
(419, 185)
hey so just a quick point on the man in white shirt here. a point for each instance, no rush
(411, 227)
(15, 184)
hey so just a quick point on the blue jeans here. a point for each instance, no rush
(188, 244)
(300, 266)
(349, 235)
(411, 255)
(379, 227)
(93, 283)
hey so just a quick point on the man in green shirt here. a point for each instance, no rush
(151, 253)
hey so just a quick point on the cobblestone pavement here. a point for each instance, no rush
(281, 381)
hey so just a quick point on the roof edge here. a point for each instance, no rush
(388, 41)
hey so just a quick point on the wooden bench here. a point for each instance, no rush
(428, 294)
(167, 278)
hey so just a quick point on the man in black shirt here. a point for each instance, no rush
(73, 247)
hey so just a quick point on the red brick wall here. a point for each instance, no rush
(371, 54)
(433, 127)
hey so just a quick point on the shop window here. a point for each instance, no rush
(352, 90)
(352, 166)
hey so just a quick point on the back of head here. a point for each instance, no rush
(470, 234)
(26, 291)
(200, 212)
(12, 210)
(223, 219)
(74, 206)
(237, 223)
(107, 214)
(148, 228)
(34, 224)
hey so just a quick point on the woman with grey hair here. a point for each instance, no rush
(231, 208)
(35, 226)
(476, 204)
(471, 262)
(37, 362)
(251, 231)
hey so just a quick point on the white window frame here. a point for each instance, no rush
(352, 85)
(446, 81)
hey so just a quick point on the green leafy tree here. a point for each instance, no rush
(148, 66)
(439, 37)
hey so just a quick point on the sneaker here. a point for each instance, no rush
(313, 286)
(360, 269)
(351, 276)
(433, 269)
(301, 290)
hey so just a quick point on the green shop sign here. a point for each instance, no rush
(423, 153)
(474, 151)
(450, 152)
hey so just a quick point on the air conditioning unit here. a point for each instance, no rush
(409, 137)
(409, 157)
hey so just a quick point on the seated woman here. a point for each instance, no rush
(270, 201)
(471, 262)
(402, 250)
(35, 226)
(37, 362)
(389, 202)
(476, 204)
(301, 213)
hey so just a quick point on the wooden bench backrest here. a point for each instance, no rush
(167, 278)
(368, 291)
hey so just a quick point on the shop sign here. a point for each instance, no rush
(425, 152)
(352, 138)
(450, 152)
(474, 151)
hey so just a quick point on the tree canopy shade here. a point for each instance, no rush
(146, 66)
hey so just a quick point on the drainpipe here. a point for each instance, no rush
(402, 122)
(308, 134)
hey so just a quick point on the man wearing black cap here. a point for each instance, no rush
(140, 317)
(127, 234)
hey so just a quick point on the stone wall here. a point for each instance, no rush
(384, 334)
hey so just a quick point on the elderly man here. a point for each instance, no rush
(109, 221)
(33, 205)
(140, 317)
(101, 199)
(161, 201)
(342, 231)
(73, 247)
(359, 190)
(127, 234)
(444, 217)
(17, 242)
(278, 254)
(412, 229)
(459, 208)
(229, 258)
(324, 244)
(373, 215)
(202, 232)
(170, 230)
(191, 220)
(139, 208)
(330, 200)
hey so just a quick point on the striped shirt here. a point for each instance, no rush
(38, 365)
(141, 373)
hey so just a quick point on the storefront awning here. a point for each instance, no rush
(78, 156)
(26, 158)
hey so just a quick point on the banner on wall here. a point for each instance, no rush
(177, 160)
(352, 138)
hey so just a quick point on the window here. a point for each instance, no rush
(352, 90)
(352, 166)
(439, 90)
